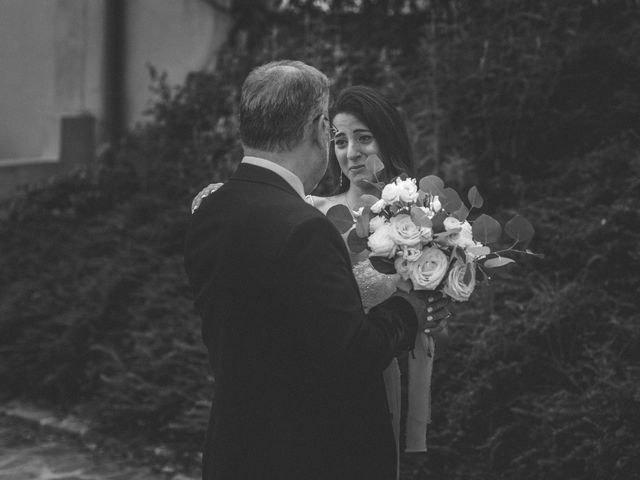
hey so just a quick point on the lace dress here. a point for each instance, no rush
(376, 287)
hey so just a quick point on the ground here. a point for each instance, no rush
(34, 445)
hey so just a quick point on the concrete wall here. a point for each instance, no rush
(176, 37)
(52, 59)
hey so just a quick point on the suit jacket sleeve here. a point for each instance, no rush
(324, 310)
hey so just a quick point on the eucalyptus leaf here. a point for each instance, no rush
(530, 252)
(497, 262)
(438, 221)
(404, 285)
(450, 200)
(432, 185)
(341, 218)
(420, 218)
(356, 243)
(362, 224)
(374, 164)
(486, 229)
(383, 265)
(475, 199)
(519, 228)
(434, 179)
(394, 208)
(461, 213)
(378, 185)
(458, 255)
(468, 273)
(368, 200)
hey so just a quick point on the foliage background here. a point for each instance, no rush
(537, 103)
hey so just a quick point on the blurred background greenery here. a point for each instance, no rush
(535, 102)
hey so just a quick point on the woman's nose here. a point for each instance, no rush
(352, 151)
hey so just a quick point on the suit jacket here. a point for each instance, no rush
(298, 390)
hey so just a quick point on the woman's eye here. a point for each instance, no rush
(340, 142)
(365, 138)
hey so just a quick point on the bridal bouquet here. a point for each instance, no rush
(425, 233)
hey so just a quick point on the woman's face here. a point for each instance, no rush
(353, 143)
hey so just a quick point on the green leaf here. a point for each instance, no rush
(394, 208)
(378, 185)
(374, 164)
(450, 200)
(497, 262)
(341, 217)
(368, 200)
(475, 199)
(438, 221)
(356, 243)
(519, 229)
(468, 274)
(420, 218)
(383, 265)
(462, 213)
(457, 255)
(530, 252)
(404, 285)
(362, 223)
(486, 229)
(432, 185)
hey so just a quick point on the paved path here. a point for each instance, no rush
(29, 451)
(36, 445)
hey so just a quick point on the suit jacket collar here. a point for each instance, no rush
(254, 174)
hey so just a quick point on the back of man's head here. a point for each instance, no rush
(278, 101)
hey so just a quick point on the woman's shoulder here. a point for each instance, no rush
(324, 203)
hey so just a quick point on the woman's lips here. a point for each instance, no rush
(356, 168)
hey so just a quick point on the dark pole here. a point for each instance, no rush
(114, 76)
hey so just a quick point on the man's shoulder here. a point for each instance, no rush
(323, 204)
(236, 201)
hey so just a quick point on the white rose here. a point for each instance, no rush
(463, 238)
(404, 231)
(378, 206)
(428, 271)
(435, 204)
(455, 286)
(390, 193)
(408, 190)
(430, 213)
(411, 254)
(375, 223)
(451, 223)
(426, 234)
(403, 267)
(381, 242)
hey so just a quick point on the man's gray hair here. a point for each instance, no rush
(278, 101)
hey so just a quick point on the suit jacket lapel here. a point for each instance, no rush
(253, 174)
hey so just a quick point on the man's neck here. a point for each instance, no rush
(291, 160)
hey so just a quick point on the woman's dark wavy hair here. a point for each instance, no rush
(387, 126)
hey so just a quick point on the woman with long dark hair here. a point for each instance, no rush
(365, 123)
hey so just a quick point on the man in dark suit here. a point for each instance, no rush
(297, 363)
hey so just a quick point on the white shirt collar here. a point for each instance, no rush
(290, 177)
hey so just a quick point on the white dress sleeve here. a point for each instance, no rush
(205, 192)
